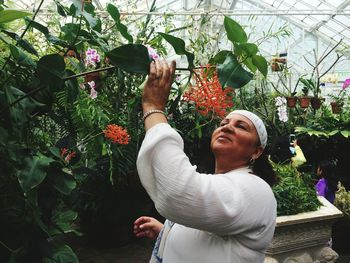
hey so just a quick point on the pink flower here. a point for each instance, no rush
(346, 83)
(152, 52)
(93, 93)
(91, 57)
(92, 84)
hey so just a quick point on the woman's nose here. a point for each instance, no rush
(227, 128)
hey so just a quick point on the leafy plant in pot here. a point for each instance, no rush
(338, 100)
(305, 99)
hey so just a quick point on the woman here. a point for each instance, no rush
(226, 217)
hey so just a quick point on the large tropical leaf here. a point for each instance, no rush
(10, 15)
(21, 57)
(261, 63)
(232, 74)
(62, 254)
(114, 12)
(132, 58)
(220, 57)
(235, 32)
(179, 46)
(51, 70)
(43, 29)
(64, 222)
(22, 42)
(34, 171)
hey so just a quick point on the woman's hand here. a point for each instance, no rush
(157, 88)
(146, 226)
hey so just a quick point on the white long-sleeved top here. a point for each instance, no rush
(218, 217)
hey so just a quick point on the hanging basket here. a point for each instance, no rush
(291, 101)
(316, 102)
(336, 107)
(304, 101)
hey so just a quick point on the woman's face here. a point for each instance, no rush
(237, 138)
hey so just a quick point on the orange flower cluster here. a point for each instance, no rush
(116, 134)
(67, 155)
(208, 95)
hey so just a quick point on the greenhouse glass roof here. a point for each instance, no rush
(315, 25)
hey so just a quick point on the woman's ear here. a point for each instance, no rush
(259, 150)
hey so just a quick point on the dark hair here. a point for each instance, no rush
(263, 168)
(327, 168)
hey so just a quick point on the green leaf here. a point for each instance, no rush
(345, 133)
(333, 132)
(72, 86)
(179, 46)
(43, 29)
(60, 10)
(21, 57)
(235, 32)
(220, 57)
(34, 171)
(132, 58)
(114, 12)
(92, 21)
(261, 63)
(22, 42)
(249, 49)
(232, 74)
(50, 69)
(62, 254)
(63, 182)
(64, 220)
(56, 41)
(249, 63)
(10, 15)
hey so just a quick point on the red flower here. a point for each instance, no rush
(67, 155)
(208, 95)
(116, 134)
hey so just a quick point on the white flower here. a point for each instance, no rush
(281, 104)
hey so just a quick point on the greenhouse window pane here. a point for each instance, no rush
(325, 7)
(314, 3)
(345, 20)
(309, 20)
(335, 26)
(325, 30)
(336, 2)
(301, 6)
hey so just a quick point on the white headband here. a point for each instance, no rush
(258, 123)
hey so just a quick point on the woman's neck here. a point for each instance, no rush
(221, 168)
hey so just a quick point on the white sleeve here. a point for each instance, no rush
(208, 202)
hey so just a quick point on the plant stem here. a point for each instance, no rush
(113, 67)
(9, 249)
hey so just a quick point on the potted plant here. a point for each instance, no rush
(338, 100)
(304, 221)
(305, 99)
(278, 63)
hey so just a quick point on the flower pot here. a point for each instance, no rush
(316, 102)
(336, 107)
(291, 101)
(304, 101)
(275, 66)
(303, 237)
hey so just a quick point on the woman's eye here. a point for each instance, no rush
(241, 126)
